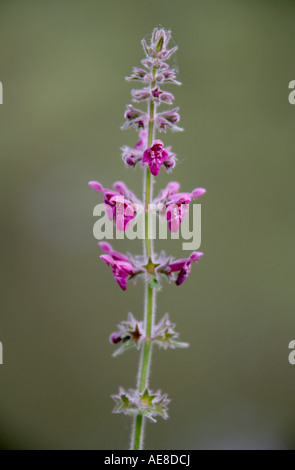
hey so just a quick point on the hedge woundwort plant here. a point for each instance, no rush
(122, 206)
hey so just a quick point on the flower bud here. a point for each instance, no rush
(115, 338)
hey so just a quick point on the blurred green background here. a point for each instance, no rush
(63, 65)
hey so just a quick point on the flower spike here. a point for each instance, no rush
(124, 208)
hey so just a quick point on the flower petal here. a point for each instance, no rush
(96, 186)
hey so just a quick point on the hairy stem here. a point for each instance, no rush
(149, 308)
(148, 175)
(145, 362)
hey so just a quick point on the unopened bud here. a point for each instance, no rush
(160, 44)
(115, 338)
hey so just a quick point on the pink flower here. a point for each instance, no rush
(107, 248)
(155, 156)
(177, 207)
(133, 156)
(124, 191)
(176, 211)
(123, 212)
(182, 266)
(123, 268)
(177, 204)
(119, 204)
(170, 189)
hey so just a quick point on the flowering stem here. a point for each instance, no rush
(142, 403)
(145, 359)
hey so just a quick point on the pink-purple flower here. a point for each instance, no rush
(180, 266)
(123, 267)
(177, 204)
(177, 207)
(155, 156)
(119, 204)
(133, 156)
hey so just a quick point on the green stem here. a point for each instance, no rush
(148, 176)
(148, 245)
(145, 366)
(145, 359)
(147, 344)
(137, 432)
